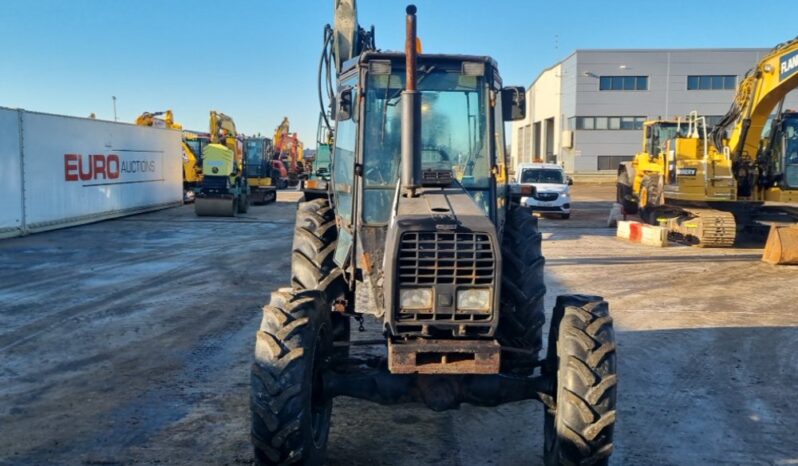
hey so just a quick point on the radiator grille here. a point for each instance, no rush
(546, 196)
(435, 258)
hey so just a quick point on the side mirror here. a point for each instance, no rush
(343, 107)
(570, 181)
(514, 103)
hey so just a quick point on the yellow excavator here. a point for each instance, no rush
(224, 190)
(192, 169)
(707, 184)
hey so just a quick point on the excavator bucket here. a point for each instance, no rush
(214, 207)
(782, 245)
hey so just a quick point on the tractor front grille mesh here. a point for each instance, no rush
(435, 258)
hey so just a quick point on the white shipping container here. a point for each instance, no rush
(79, 170)
(10, 174)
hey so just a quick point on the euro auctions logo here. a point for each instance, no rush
(95, 167)
(105, 169)
(788, 65)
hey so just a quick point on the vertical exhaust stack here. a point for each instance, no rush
(411, 112)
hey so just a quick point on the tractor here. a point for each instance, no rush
(419, 231)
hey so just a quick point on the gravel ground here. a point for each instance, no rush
(129, 341)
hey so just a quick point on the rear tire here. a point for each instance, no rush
(581, 355)
(312, 265)
(624, 194)
(290, 415)
(565, 216)
(521, 318)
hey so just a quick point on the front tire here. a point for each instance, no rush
(521, 318)
(650, 199)
(312, 265)
(624, 194)
(290, 414)
(581, 356)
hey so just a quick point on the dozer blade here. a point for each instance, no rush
(210, 207)
(706, 228)
(782, 245)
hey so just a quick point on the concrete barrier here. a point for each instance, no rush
(637, 232)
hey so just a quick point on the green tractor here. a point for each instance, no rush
(224, 191)
(419, 231)
(318, 178)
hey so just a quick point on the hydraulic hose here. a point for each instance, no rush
(324, 62)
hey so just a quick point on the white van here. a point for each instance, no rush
(552, 188)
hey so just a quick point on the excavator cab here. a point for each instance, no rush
(786, 152)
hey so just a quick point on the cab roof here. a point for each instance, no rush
(365, 57)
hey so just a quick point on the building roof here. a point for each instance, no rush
(671, 50)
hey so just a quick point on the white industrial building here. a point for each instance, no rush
(586, 112)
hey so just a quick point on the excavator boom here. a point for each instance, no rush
(760, 91)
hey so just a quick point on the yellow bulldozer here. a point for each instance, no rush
(707, 184)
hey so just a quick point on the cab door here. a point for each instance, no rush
(343, 175)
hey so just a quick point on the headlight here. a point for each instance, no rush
(477, 300)
(415, 299)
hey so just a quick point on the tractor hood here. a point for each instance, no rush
(441, 209)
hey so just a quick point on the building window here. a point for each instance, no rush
(603, 123)
(623, 83)
(712, 83)
(611, 162)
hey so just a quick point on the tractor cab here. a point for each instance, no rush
(460, 189)
(460, 110)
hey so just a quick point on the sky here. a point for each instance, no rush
(257, 60)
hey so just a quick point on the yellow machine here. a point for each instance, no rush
(258, 155)
(224, 190)
(705, 186)
(192, 169)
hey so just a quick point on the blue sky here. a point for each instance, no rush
(257, 60)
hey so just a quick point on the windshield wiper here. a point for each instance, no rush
(394, 99)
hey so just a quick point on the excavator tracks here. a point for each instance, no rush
(707, 228)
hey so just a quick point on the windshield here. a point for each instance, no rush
(791, 152)
(453, 129)
(542, 175)
(196, 146)
(662, 132)
(254, 151)
(256, 160)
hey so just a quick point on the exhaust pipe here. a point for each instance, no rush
(411, 112)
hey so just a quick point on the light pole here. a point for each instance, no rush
(114, 99)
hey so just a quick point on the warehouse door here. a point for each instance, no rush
(551, 156)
